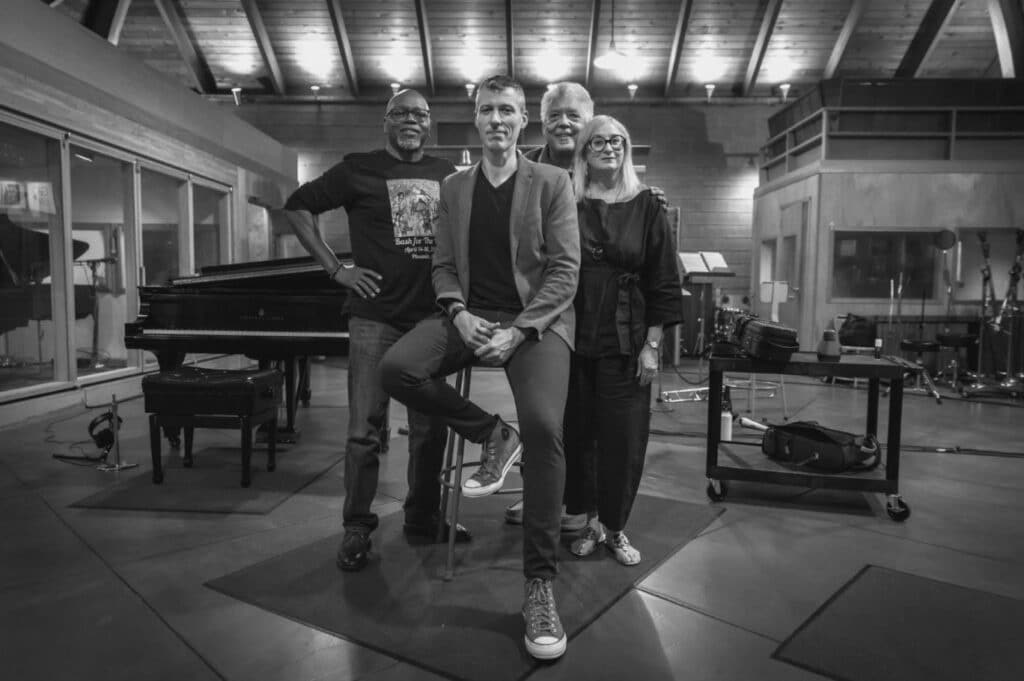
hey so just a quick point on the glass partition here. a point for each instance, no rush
(162, 219)
(210, 218)
(101, 200)
(32, 276)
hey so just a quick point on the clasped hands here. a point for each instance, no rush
(491, 344)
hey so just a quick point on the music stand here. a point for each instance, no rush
(701, 269)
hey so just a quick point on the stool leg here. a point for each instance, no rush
(246, 425)
(189, 433)
(449, 566)
(272, 444)
(154, 449)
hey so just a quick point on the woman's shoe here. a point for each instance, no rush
(593, 534)
(624, 552)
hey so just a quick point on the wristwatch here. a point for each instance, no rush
(454, 311)
(653, 343)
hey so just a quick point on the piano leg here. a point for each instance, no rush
(169, 361)
(303, 389)
(284, 434)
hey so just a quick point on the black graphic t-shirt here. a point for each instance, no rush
(392, 208)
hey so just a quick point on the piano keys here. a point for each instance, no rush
(273, 311)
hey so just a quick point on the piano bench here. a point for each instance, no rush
(191, 397)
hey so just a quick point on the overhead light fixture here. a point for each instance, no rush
(316, 92)
(632, 87)
(395, 88)
(612, 60)
(470, 89)
(709, 89)
(84, 156)
(784, 89)
(236, 93)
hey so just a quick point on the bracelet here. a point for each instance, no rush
(336, 270)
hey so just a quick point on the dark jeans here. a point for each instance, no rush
(367, 413)
(413, 372)
(607, 423)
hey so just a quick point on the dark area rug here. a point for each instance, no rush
(470, 628)
(213, 484)
(885, 625)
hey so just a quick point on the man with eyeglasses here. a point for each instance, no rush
(564, 109)
(391, 198)
(505, 271)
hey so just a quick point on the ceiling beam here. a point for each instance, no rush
(764, 36)
(843, 40)
(595, 18)
(510, 29)
(1008, 25)
(54, 3)
(682, 23)
(928, 33)
(198, 69)
(259, 32)
(428, 54)
(106, 18)
(344, 46)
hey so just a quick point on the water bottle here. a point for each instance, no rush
(725, 429)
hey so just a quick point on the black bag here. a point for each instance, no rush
(765, 340)
(857, 331)
(806, 443)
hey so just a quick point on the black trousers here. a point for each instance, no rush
(607, 425)
(413, 371)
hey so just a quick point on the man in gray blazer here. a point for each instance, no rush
(505, 269)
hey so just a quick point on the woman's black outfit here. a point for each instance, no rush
(628, 282)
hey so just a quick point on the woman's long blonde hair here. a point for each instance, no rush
(625, 179)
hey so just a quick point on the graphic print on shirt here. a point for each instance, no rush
(414, 214)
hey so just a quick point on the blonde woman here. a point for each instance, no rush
(629, 291)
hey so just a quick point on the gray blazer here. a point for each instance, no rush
(545, 240)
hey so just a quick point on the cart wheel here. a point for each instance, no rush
(897, 510)
(716, 489)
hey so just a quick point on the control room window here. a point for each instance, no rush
(865, 264)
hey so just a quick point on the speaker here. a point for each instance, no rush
(101, 430)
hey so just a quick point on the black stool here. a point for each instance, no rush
(191, 398)
(955, 341)
(919, 347)
(451, 478)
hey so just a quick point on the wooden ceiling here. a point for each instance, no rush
(277, 49)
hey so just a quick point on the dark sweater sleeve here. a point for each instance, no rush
(660, 280)
(331, 190)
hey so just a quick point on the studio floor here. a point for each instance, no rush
(93, 594)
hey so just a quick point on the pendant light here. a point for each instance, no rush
(612, 60)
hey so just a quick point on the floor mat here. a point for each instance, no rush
(213, 484)
(470, 628)
(885, 625)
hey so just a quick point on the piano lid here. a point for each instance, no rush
(259, 273)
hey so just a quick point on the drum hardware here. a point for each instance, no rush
(115, 422)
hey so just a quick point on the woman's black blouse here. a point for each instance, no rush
(629, 279)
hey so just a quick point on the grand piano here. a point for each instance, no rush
(274, 311)
(24, 263)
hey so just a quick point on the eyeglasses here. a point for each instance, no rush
(616, 142)
(399, 115)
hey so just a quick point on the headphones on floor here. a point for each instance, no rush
(101, 430)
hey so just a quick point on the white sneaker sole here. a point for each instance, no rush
(487, 490)
(550, 651)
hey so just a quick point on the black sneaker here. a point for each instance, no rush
(354, 552)
(428, 531)
(545, 639)
(499, 453)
